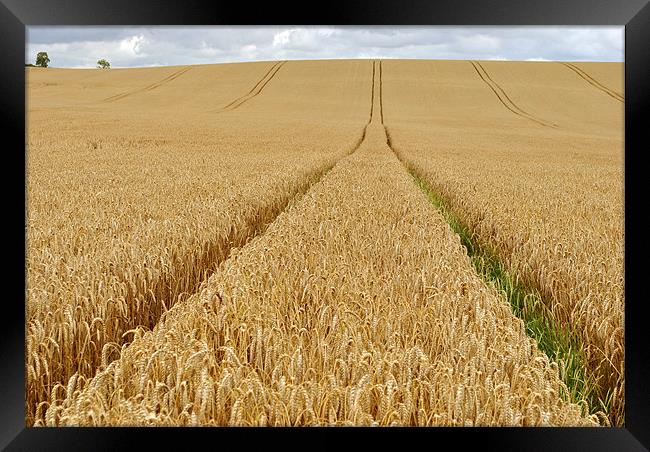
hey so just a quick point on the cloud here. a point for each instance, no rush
(163, 45)
(282, 38)
(133, 45)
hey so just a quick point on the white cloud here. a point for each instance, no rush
(282, 38)
(146, 46)
(132, 45)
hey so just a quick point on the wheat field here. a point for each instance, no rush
(243, 244)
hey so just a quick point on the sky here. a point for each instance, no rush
(81, 47)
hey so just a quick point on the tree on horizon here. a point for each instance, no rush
(103, 64)
(42, 60)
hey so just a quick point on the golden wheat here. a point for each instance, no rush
(177, 275)
(548, 200)
(357, 306)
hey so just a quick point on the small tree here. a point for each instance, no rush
(103, 64)
(42, 59)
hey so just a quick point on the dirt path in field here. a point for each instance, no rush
(593, 82)
(257, 89)
(150, 87)
(503, 97)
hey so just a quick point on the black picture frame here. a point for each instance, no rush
(16, 15)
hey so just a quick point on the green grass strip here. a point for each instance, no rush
(560, 344)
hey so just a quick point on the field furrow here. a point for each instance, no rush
(153, 86)
(257, 89)
(503, 96)
(266, 74)
(593, 82)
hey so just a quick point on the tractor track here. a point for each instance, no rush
(504, 98)
(150, 87)
(381, 94)
(256, 90)
(593, 82)
(254, 87)
(372, 93)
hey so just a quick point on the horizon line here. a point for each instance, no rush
(530, 60)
